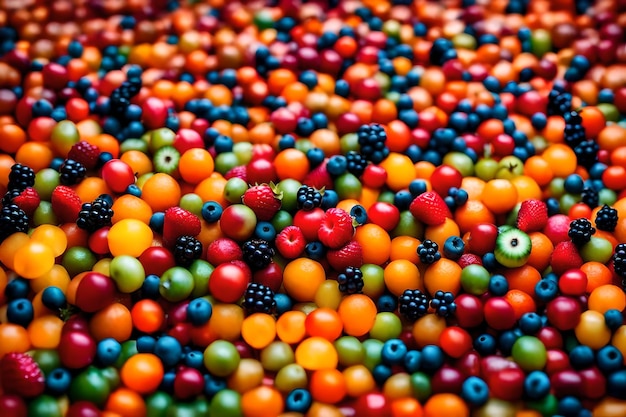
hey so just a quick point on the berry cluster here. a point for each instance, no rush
(186, 250)
(350, 280)
(308, 198)
(606, 218)
(580, 231)
(95, 215)
(259, 298)
(372, 139)
(356, 163)
(428, 252)
(413, 304)
(257, 253)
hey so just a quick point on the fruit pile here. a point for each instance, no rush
(313, 208)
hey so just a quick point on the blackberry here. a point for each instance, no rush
(10, 195)
(559, 102)
(186, 250)
(372, 139)
(308, 198)
(257, 253)
(356, 163)
(574, 132)
(428, 252)
(619, 262)
(587, 153)
(590, 197)
(350, 280)
(413, 304)
(21, 177)
(72, 172)
(606, 218)
(259, 298)
(12, 220)
(580, 231)
(443, 303)
(95, 215)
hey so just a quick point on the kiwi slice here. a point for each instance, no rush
(512, 247)
(166, 160)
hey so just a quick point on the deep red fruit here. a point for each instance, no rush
(156, 260)
(20, 375)
(188, 383)
(351, 254)
(532, 216)
(223, 250)
(564, 312)
(499, 314)
(179, 222)
(384, 214)
(429, 208)
(290, 242)
(469, 311)
(264, 200)
(508, 384)
(445, 177)
(309, 221)
(77, 349)
(271, 276)
(228, 282)
(336, 228)
(95, 291)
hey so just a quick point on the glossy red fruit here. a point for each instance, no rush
(482, 238)
(469, 311)
(83, 409)
(188, 383)
(156, 260)
(593, 383)
(154, 113)
(118, 175)
(499, 314)
(186, 139)
(260, 171)
(508, 384)
(309, 222)
(386, 215)
(223, 250)
(557, 361)
(95, 291)
(573, 282)
(566, 382)
(469, 364)
(228, 282)
(373, 404)
(550, 337)
(564, 312)
(447, 379)
(444, 177)
(77, 349)
(12, 406)
(271, 276)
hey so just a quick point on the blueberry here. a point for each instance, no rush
(211, 211)
(546, 290)
(485, 344)
(432, 358)
(574, 184)
(17, 288)
(330, 198)
(108, 351)
(315, 156)
(194, 359)
(417, 187)
(498, 285)
(315, 250)
(613, 319)
(150, 287)
(53, 298)
(507, 340)
(359, 213)
(145, 344)
(381, 373)
(609, 359)
(402, 200)
(412, 361)
(283, 303)
(265, 231)
(199, 311)
(475, 391)
(20, 311)
(616, 384)
(337, 165)
(530, 323)
(569, 406)
(386, 303)
(58, 381)
(537, 385)
(169, 350)
(286, 142)
(453, 247)
(581, 357)
(393, 352)
(299, 400)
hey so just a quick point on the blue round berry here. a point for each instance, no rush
(433, 358)
(53, 298)
(211, 211)
(485, 344)
(393, 352)
(108, 351)
(145, 344)
(537, 385)
(412, 361)
(169, 350)
(609, 359)
(581, 357)
(58, 381)
(299, 400)
(199, 311)
(530, 323)
(20, 311)
(475, 391)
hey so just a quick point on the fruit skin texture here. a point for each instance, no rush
(350, 254)
(429, 208)
(565, 256)
(20, 375)
(28, 200)
(512, 248)
(179, 222)
(290, 242)
(532, 216)
(66, 204)
(264, 200)
(336, 229)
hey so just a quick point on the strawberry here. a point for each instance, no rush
(336, 229)
(28, 200)
(351, 254)
(469, 259)
(429, 208)
(290, 242)
(66, 204)
(223, 250)
(264, 200)
(565, 256)
(179, 222)
(532, 216)
(20, 375)
(237, 172)
(85, 153)
(319, 178)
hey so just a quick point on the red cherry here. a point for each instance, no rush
(564, 312)
(271, 276)
(557, 361)
(309, 222)
(95, 291)
(12, 406)
(188, 383)
(228, 282)
(98, 241)
(77, 349)
(550, 337)
(118, 175)
(566, 382)
(374, 176)
(156, 260)
(186, 139)
(469, 311)
(260, 171)
(508, 384)
(482, 238)
(503, 145)
(468, 364)
(573, 282)
(499, 314)
(284, 121)
(385, 215)
(373, 404)
(593, 383)
(154, 113)
(444, 177)
(83, 409)
(447, 379)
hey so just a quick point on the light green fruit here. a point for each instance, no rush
(512, 248)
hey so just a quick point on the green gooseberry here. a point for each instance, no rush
(529, 353)
(78, 259)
